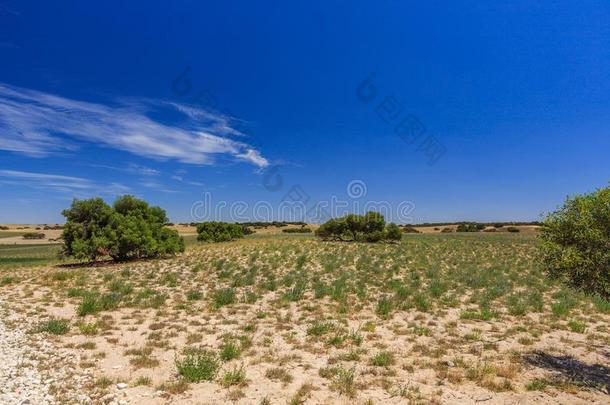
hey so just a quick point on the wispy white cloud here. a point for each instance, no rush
(33, 122)
(143, 170)
(76, 186)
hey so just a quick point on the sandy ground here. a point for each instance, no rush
(51, 237)
(435, 360)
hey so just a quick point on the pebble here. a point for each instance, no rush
(29, 365)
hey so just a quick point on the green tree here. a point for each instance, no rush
(393, 232)
(369, 227)
(216, 231)
(88, 233)
(576, 242)
(131, 229)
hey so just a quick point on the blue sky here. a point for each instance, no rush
(508, 104)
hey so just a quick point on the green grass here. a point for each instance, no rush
(14, 256)
(382, 359)
(577, 326)
(53, 326)
(229, 351)
(222, 297)
(234, 377)
(339, 302)
(198, 365)
(9, 234)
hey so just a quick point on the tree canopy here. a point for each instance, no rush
(370, 227)
(216, 231)
(130, 229)
(576, 242)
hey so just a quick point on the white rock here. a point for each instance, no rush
(121, 386)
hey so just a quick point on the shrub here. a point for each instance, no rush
(576, 326)
(224, 297)
(33, 235)
(53, 326)
(237, 377)
(392, 232)
(131, 229)
(410, 229)
(382, 359)
(469, 227)
(198, 365)
(575, 240)
(370, 227)
(513, 229)
(6, 280)
(194, 295)
(297, 230)
(447, 230)
(229, 351)
(384, 307)
(215, 231)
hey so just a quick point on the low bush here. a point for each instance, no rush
(224, 297)
(53, 326)
(216, 231)
(33, 235)
(297, 230)
(513, 229)
(198, 365)
(470, 227)
(409, 229)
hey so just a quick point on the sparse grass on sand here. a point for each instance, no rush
(289, 319)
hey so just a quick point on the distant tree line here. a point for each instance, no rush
(485, 224)
(277, 224)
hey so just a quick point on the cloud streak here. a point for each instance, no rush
(69, 184)
(42, 124)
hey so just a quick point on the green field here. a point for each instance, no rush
(8, 234)
(28, 255)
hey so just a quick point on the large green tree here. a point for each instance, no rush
(576, 242)
(88, 233)
(131, 229)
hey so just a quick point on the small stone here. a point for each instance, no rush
(121, 386)
(483, 398)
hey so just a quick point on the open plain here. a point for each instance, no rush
(276, 318)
